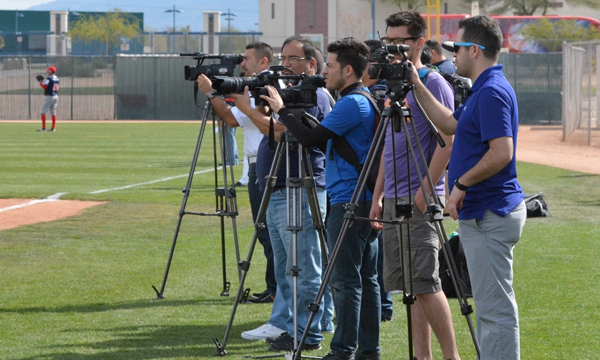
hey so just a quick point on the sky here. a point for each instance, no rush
(19, 5)
(155, 18)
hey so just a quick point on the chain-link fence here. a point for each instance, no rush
(580, 100)
(153, 87)
(536, 79)
(87, 89)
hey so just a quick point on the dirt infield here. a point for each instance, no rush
(17, 212)
(536, 144)
(543, 145)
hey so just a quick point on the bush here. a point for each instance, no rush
(14, 64)
(99, 63)
(77, 67)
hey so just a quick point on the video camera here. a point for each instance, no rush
(225, 68)
(396, 75)
(298, 96)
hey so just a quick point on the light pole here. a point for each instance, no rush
(173, 11)
(19, 39)
(229, 15)
(373, 16)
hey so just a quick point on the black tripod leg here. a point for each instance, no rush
(259, 225)
(436, 218)
(461, 296)
(230, 208)
(186, 194)
(349, 218)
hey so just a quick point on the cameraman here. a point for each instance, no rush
(431, 310)
(354, 277)
(257, 58)
(298, 56)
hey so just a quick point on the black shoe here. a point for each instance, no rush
(285, 342)
(263, 298)
(272, 339)
(385, 318)
(332, 356)
(261, 294)
(374, 355)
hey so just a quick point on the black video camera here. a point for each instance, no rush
(225, 68)
(396, 75)
(302, 95)
(385, 68)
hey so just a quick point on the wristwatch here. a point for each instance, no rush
(460, 186)
(211, 95)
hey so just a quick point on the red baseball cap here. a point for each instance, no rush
(51, 68)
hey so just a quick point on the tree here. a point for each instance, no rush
(106, 30)
(551, 34)
(529, 7)
(410, 4)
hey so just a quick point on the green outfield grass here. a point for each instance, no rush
(80, 288)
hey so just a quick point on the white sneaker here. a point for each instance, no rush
(262, 332)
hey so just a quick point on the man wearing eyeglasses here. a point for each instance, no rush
(431, 310)
(485, 196)
(298, 56)
(256, 59)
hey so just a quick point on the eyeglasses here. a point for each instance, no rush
(292, 59)
(398, 40)
(457, 45)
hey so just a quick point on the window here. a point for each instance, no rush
(311, 13)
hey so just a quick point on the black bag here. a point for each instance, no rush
(461, 87)
(454, 248)
(537, 205)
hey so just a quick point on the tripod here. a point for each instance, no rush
(397, 115)
(225, 199)
(294, 200)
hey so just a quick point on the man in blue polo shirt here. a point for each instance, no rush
(485, 196)
(354, 276)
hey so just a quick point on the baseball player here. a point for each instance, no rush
(50, 86)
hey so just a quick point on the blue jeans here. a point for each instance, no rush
(255, 196)
(387, 303)
(488, 245)
(354, 281)
(231, 154)
(308, 260)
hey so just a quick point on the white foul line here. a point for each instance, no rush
(152, 182)
(54, 197)
(57, 196)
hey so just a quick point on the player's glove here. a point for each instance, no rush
(40, 78)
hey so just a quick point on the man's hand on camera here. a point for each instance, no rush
(204, 84)
(242, 101)
(274, 100)
(414, 79)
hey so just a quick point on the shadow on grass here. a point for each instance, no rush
(570, 176)
(101, 307)
(156, 342)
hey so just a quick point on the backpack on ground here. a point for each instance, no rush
(537, 205)
(454, 248)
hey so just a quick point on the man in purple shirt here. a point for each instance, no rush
(431, 310)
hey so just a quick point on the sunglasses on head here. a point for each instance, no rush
(457, 45)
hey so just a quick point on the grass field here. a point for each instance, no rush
(80, 288)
